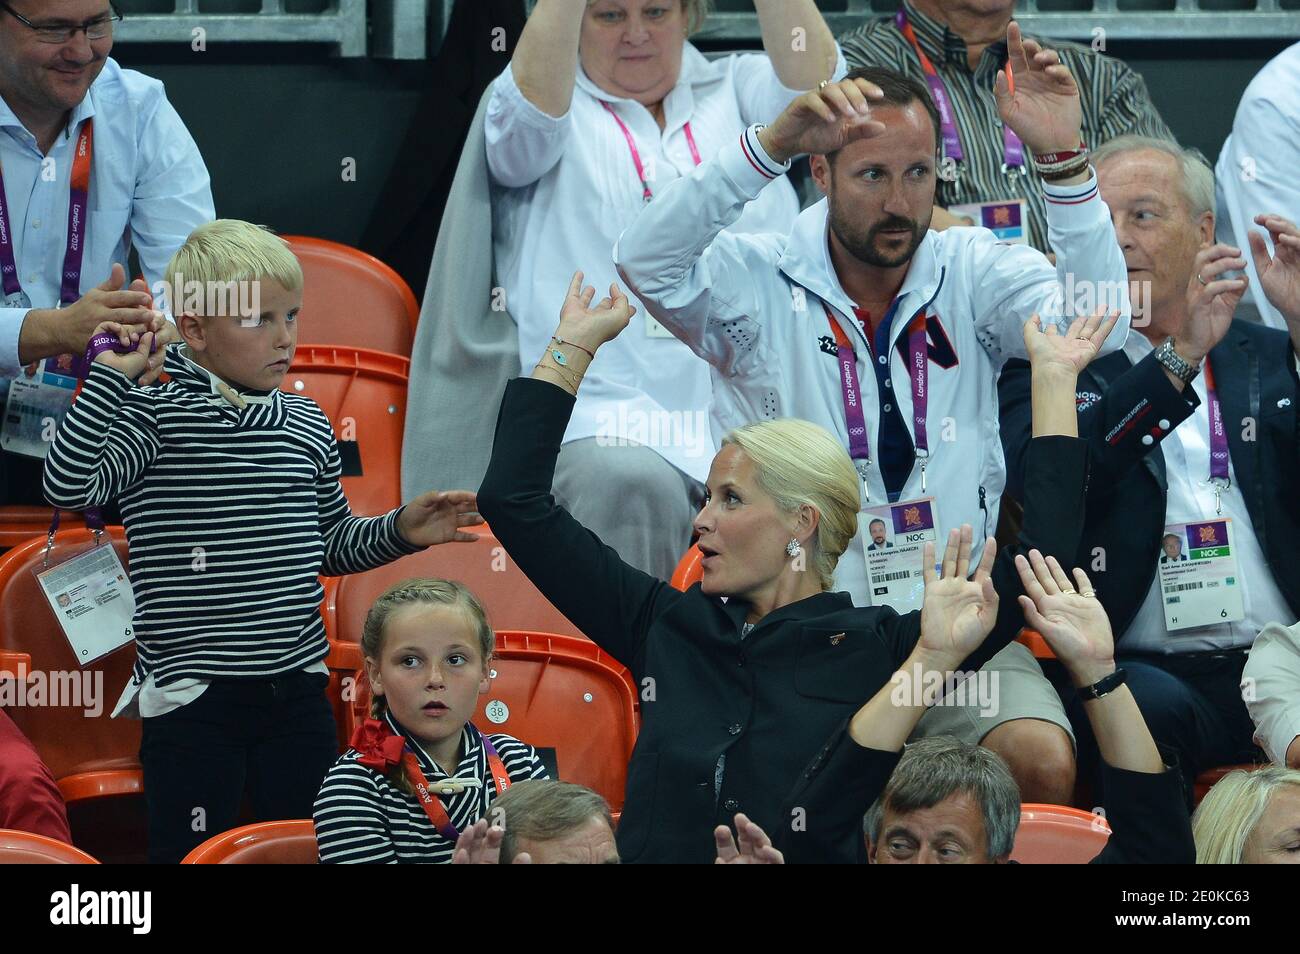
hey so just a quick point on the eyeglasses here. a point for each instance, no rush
(60, 33)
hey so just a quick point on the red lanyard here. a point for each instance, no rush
(78, 204)
(646, 194)
(430, 802)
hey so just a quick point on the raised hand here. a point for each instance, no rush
(590, 327)
(140, 364)
(479, 844)
(957, 613)
(436, 517)
(1048, 349)
(823, 121)
(1073, 622)
(1040, 100)
(1211, 301)
(755, 847)
(1279, 274)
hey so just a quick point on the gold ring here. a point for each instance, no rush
(1200, 279)
(1089, 594)
(822, 85)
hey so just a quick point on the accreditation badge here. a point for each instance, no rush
(894, 542)
(91, 596)
(1008, 220)
(1199, 581)
(38, 401)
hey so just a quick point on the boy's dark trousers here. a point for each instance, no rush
(274, 738)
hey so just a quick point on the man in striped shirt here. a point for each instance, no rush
(964, 43)
(229, 490)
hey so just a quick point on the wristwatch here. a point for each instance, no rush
(1180, 368)
(1103, 686)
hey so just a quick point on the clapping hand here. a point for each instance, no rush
(1048, 349)
(1073, 622)
(957, 613)
(755, 847)
(1043, 108)
(436, 517)
(480, 844)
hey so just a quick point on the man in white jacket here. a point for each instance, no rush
(889, 335)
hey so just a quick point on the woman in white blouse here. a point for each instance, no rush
(603, 105)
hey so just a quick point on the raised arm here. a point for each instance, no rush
(798, 41)
(1149, 824)
(610, 601)
(545, 61)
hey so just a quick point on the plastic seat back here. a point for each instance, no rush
(25, 848)
(363, 393)
(1058, 835)
(265, 843)
(690, 569)
(352, 299)
(511, 600)
(90, 754)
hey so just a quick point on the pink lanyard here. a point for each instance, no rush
(646, 194)
(1218, 440)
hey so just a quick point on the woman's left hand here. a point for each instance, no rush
(957, 613)
(590, 327)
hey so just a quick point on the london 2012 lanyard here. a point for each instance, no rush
(918, 370)
(430, 802)
(1218, 440)
(78, 203)
(646, 193)
(1013, 151)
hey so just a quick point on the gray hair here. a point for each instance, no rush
(1198, 177)
(935, 769)
(542, 810)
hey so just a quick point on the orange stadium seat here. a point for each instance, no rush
(511, 600)
(353, 299)
(90, 756)
(21, 523)
(690, 569)
(363, 393)
(1058, 835)
(552, 691)
(265, 843)
(25, 848)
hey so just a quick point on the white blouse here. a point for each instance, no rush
(564, 190)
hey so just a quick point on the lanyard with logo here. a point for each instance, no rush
(78, 202)
(426, 793)
(1013, 152)
(39, 397)
(646, 193)
(1218, 440)
(918, 362)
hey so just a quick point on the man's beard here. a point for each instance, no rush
(863, 247)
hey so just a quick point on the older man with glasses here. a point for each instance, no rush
(93, 161)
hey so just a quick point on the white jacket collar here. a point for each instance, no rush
(806, 261)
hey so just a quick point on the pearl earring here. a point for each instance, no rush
(793, 548)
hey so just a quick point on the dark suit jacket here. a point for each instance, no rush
(1125, 410)
(768, 701)
(1148, 818)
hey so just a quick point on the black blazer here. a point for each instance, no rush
(1147, 815)
(768, 702)
(1121, 405)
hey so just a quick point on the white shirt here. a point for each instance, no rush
(1191, 498)
(1271, 688)
(1256, 171)
(566, 187)
(752, 308)
(148, 189)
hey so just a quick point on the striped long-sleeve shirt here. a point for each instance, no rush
(364, 818)
(1114, 99)
(230, 515)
